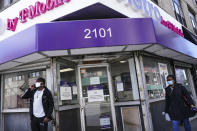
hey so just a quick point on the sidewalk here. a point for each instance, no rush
(194, 125)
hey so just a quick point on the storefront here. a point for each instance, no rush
(104, 74)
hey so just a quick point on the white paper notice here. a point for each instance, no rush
(83, 71)
(105, 122)
(95, 95)
(94, 80)
(99, 73)
(74, 90)
(120, 86)
(163, 69)
(65, 93)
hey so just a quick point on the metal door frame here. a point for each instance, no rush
(82, 104)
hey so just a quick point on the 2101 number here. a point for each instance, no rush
(97, 33)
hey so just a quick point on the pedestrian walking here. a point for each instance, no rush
(41, 105)
(179, 104)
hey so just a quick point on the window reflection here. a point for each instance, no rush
(15, 86)
(122, 81)
(155, 74)
(182, 78)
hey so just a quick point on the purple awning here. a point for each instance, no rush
(98, 33)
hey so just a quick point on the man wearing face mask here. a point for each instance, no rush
(41, 105)
(178, 108)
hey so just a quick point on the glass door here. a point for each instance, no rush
(68, 100)
(184, 77)
(96, 101)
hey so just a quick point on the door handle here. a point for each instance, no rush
(82, 108)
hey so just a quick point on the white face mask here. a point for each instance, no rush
(171, 82)
(37, 84)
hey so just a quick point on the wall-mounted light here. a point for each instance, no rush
(123, 61)
(66, 70)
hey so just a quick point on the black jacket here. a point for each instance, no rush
(47, 101)
(175, 104)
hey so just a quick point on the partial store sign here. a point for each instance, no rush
(33, 11)
(149, 9)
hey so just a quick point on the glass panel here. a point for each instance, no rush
(6, 3)
(67, 85)
(177, 2)
(182, 78)
(155, 1)
(69, 120)
(176, 8)
(179, 12)
(14, 1)
(122, 81)
(95, 89)
(15, 86)
(131, 123)
(192, 20)
(155, 75)
(1, 4)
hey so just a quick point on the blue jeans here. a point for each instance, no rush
(175, 125)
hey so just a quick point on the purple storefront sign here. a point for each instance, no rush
(92, 33)
(95, 87)
(21, 44)
(173, 41)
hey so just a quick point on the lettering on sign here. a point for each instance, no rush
(33, 11)
(151, 10)
(172, 27)
(97, 33)
(145, 6)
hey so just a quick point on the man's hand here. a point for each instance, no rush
(46, 120)
(193, 108)
(31, 87)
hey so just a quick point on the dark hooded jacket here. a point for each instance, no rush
(47, 101)
(176, 106)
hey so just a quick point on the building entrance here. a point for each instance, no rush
(96, 99)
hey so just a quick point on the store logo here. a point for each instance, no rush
(152, 11)
(33, 11)
(172, 27)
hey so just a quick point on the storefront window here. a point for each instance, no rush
(179, 12)
(15, 86)
(193, 21)
(155, 75)
(67, 85)
(6, 3)
(122, 81)
(155, 1)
